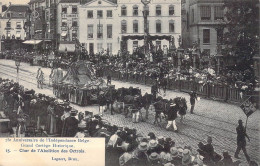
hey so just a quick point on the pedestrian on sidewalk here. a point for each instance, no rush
(241, 140)
(193, 96)
(40, 78)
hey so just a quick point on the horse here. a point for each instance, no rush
(182, 105)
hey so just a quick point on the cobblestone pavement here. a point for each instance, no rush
(211, 118)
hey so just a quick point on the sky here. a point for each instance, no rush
(6, 2)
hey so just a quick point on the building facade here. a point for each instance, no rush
(164, 22)
(37, 18)
(67, 20)
(99, 26)
(13, 22)
(203, 19)
(113, 25)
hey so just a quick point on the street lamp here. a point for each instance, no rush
(145, 13)
(17, 64)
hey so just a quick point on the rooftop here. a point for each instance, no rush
(87, 1)
(34, 1)
(69, 1)
(18, 8)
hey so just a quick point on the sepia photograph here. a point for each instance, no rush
(129, 83)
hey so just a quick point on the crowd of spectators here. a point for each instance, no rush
(157, 66)
(124, 146)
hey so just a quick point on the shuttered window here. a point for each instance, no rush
(219, 12)
(205, 12)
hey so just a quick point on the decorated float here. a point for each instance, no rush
(80, 85)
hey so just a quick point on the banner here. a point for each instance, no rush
(248, 107)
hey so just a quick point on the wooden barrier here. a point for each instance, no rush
(234, 95)
(202, 89)
(218, 92)
(213, 91)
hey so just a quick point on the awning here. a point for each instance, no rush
(64, 33)
(33, 42)
(141, 37)
(69, 46)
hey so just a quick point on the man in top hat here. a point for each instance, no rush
(193, 96)
(70, 127)
(241, 140)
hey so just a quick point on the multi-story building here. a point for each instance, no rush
(99, 26)
(202, 24)
(37, 18)
(50, 18)
(0, 25)
(164, 22)
(12, 26)
(110, 24)
(67, 20)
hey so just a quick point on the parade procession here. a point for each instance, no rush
(165, 82)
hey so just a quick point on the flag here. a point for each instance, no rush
(248, 107)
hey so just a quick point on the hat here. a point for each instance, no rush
(160, 138)
(186, 152)
(174, 151)
(168, 139)
(151, 134)
(186, 159)
(153, 143)
(162, 155)
(154, 156)
(180, 151)
(240, 121)
(226, 155)
(194, 152)
(73, 112)
(199, 161)
(168, 157)
(168, 164)
(142, 146)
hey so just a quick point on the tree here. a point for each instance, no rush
(242, 37)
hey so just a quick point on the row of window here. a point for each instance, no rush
(206, 36)
(90, 29)
(158, 26)
(18, 25)
(74, 10)
(90, 14)
(64, 22)
(74, 35)
(109, 48)
(205, 13)
(135, 10)
(17, 35)
(9, 15)
(100, 31)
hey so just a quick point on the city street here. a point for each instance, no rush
(211, 118)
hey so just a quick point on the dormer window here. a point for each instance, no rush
(8, 15)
